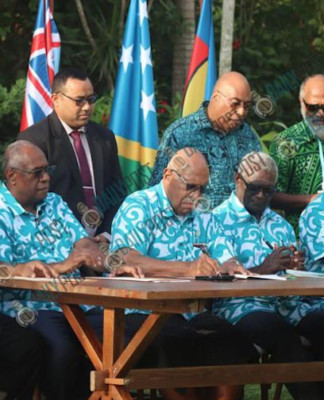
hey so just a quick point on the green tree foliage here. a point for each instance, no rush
(11, 102)
(277, 43)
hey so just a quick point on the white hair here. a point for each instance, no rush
(258, 161)
(15, 155)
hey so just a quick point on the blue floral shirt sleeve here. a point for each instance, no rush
(311, 225)
(128, 228)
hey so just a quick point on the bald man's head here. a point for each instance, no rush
(185, 178)
(232, 81)
(230, 102)
(189, 159)
(311, 97)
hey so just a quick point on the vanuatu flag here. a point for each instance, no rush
(202, 75)
(133, 117)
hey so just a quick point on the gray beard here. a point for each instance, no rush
(318, 130)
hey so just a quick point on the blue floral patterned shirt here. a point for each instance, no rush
(48, 236)
(311, 226)
(223, 152)
(147, 223)
(311, 230)
(249, 238)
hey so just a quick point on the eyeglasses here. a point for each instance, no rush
(39, 172)
(235, 103)
(190, 187)
(313, 108)
(251, 187)
(81, 102)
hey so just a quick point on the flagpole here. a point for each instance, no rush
(226, 48)
(52, 7)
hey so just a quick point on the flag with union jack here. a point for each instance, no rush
(43, 65)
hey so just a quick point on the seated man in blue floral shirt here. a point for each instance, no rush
(218, 131)
(264, 243)
(21, 349)
(157, 229)
(310, 312)
(37, 225)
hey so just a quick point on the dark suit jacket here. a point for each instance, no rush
(50, 135)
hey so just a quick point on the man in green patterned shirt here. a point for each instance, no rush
(297, 152)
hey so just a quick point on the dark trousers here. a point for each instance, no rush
(271, 332)
(204, 340)
(312, 328)
(65, 373)
(20, 358)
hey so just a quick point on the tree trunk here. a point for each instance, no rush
(183, 45)
(226, 49)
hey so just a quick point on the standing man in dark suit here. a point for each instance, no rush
(85, 153)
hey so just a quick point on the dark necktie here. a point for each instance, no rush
(84, 169)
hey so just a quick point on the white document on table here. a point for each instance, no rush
(272, 277)
(304, 274)
(132, 279)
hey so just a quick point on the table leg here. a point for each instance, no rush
(119, 361)
(119, 393)
(113, 342)
(111, 360)
(136, 347)
(84, 333)
(96, 396)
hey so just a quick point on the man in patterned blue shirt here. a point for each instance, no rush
(264, 243)
(20, 348)
(157, 229)
(308, 315)
(218, 131)
(37, 225)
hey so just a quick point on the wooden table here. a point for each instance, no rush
(114, 377)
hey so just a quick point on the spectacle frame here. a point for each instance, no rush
(39, 172)
(253, 188)
(313, 108)
(190, 187)
(81, 102)
(235, 103)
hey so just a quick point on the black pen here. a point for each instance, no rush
(203, 247)
(268, 244)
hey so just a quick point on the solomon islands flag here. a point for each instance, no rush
(133, 116)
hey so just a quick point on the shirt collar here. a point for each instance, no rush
(16, 208)
(69, 130)
(242, 212)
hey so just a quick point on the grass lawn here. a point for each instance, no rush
(253, 392)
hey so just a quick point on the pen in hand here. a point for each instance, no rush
(203, 247)
(268, 244)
